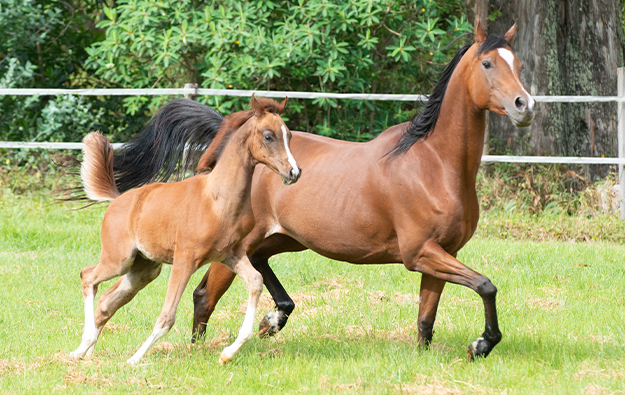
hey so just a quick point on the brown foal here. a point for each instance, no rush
(187, 224)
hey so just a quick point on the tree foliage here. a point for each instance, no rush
(361, 46)
(308, 45)
(44, 45)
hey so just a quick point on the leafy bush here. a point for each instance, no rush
(43, 46)
(309, 45)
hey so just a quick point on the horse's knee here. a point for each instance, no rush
(255, 281)
(485, 288)
(165, 322)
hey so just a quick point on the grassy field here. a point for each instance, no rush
(561, 309)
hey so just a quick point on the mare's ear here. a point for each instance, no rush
(257, 109)
(479, 33)
(282, 105)
(509, 36)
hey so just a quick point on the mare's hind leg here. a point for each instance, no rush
(213, 286)
(433, 260)
(181, 272)
(429, 296)
(111, 265)
(242, 266)
(218, 278)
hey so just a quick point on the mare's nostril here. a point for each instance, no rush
(520, 104)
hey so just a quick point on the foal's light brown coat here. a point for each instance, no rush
(187, 224)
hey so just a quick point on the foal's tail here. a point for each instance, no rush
(96, 171)
(171, 143)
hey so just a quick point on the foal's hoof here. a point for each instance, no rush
(479, 348)
(223, 360)
(76, 355)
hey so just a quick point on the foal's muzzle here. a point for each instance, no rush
(292, 177)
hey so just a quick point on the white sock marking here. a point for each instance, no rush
(288, 152)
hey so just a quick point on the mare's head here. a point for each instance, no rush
(270, 139)
(494, 77)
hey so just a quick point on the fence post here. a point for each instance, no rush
(193, 95)
(621, 138)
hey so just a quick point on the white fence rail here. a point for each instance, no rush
(191, 90)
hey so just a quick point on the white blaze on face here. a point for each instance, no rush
(288, 152)
(507, 55)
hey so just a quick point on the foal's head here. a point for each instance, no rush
(495, 77)
(270, 139)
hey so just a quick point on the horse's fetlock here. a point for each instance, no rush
(426, 325)
(285, 307)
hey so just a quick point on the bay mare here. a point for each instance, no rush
(186, 224)
(408, 196)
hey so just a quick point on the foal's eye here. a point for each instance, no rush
(487, 64)
(268, 138)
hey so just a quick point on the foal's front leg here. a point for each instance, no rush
(240, 264)
(182, 270)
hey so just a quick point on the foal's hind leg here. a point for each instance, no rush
(111, 265)
(181, 272)
(242, 266)
(141, 273)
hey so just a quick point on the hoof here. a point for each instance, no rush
(223, 360)
(76, 355)
(269, 325)
(479, 348)
(132, 361)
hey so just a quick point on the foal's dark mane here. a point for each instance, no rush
(231, 124)
(423, 123)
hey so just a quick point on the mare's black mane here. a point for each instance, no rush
(423, 123)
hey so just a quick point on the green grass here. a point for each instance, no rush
(561, 310)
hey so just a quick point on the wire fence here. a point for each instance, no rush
(191, 90)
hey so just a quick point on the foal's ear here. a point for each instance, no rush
(479, 33)
(282, 105)
(257, 109)
(509, 36)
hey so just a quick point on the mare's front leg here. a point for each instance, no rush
(240, 264)
(181, 271)
(429, 297)
(434, 261)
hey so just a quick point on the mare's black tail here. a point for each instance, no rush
(172, 143)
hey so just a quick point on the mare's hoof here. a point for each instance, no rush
(479, 348)
(268, 325)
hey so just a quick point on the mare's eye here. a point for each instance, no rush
(268, 138)
(487, 64)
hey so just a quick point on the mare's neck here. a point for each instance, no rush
(458, 135)
(229, 184)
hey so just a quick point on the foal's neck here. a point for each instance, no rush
(229, 184)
